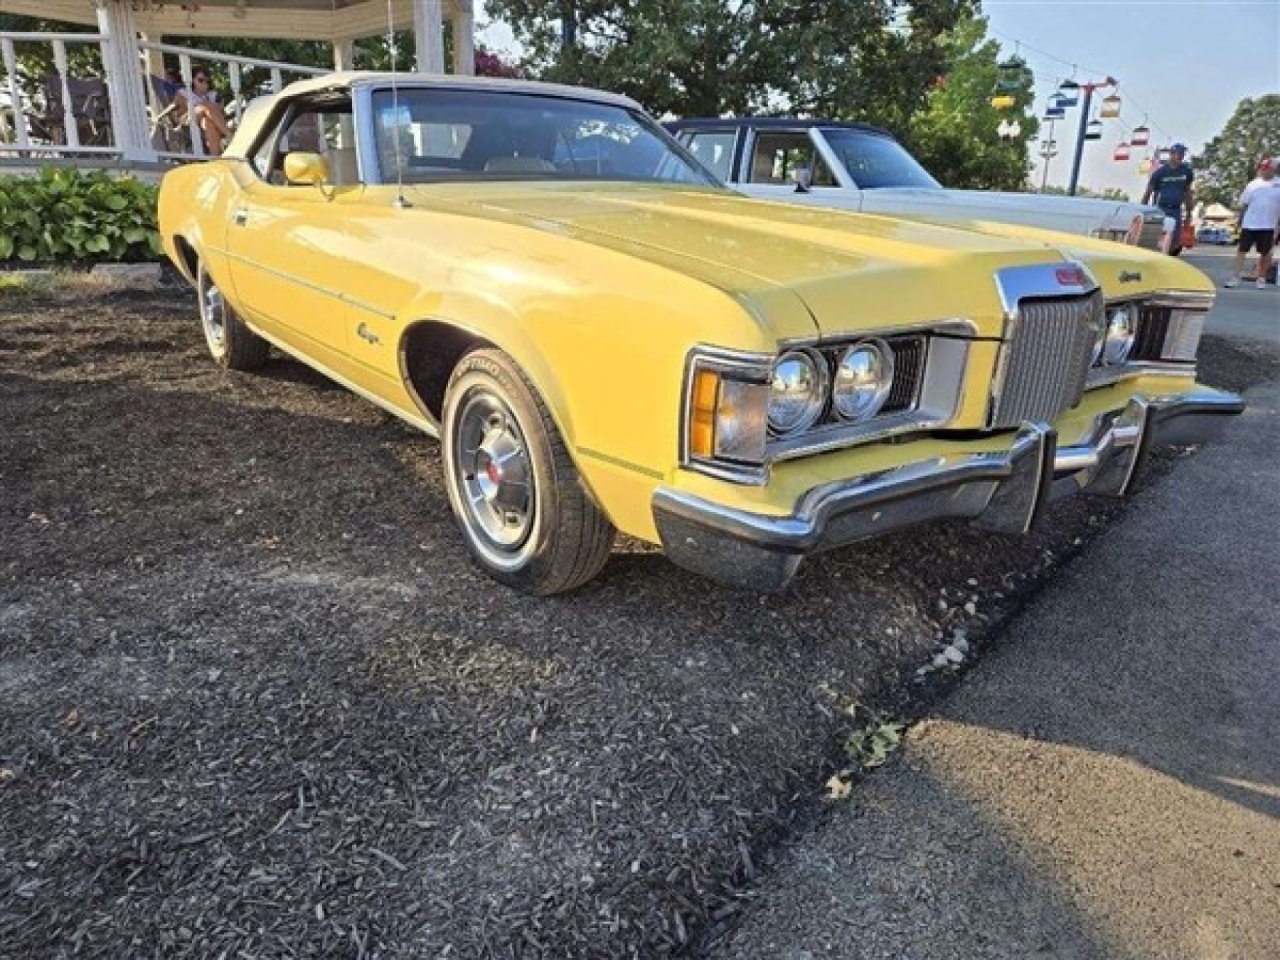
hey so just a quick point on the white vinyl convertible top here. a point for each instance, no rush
(259, 109)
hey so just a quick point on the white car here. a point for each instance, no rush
(854, 166)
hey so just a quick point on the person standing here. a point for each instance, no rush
(1170, 185)
(1259, 221)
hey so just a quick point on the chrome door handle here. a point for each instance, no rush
(240, 217)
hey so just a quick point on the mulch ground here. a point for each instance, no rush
(255, 701)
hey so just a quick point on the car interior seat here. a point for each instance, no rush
(762, 169)
(518, 165)
(342, 164)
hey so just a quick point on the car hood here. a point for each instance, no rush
(1094, 210)
(838, 264)
(1122, 271)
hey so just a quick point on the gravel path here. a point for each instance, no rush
(254, 701)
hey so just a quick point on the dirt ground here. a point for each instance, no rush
(255, 701)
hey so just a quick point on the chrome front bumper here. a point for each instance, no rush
(1004, 491)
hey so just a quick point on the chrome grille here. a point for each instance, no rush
(908, 367)
(1046, 359)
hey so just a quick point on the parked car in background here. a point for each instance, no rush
(604, 338)
(854, 166)
(1214, 235)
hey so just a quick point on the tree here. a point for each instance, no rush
(1231, 158)
(955, 135)
(872, 59)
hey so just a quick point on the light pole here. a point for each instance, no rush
(1088, 89)
(1048, 150)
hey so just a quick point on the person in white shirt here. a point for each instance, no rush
(1259, 221)
(203, 100)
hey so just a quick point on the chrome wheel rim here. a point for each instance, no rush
(494, 474)
(213, 315)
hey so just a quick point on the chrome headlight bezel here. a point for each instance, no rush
(1118, 334)
(785, 385)
(1166, 329)
(853, 397)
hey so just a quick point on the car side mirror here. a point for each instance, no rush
(803, 177)
(300, 167)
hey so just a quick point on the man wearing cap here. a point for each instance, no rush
(1259, 221)
(1170, 184)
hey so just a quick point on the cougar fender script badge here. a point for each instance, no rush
(1130, 276)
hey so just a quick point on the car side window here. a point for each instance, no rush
(776, 157)
(324, 128)
(712, 148)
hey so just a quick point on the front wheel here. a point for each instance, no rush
(231, 343)
(515, 491)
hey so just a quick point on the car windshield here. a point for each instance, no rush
(439, 134)
(874, 160)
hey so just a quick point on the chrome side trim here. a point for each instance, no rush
(619, 462)
(336, 294)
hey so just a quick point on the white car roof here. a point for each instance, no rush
(254, 117)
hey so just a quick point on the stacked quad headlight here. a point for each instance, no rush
(744, 411)
(801, 383)
(797, 392)
(863, 379)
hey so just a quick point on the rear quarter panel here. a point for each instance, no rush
(193, 204)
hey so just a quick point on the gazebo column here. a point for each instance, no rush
(153, 63)
(464, 44)
(344, 53)
(129, 124)
(428, 35)
(344, 56)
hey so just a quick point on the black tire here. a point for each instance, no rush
(231, 344)
(516, 494)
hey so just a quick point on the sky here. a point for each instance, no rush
(1183, 66)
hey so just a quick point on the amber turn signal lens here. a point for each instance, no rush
(702, 425)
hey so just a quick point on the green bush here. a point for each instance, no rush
(71, 216)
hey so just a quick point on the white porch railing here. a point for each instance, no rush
(49, 117)
(69, 118)
(248, 78)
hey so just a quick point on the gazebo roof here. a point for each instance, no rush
(283, 19)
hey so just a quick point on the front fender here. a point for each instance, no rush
(608, 363)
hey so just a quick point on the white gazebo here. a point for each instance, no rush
(129, 33)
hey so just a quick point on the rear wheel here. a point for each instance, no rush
(515, 491)
(232, 344)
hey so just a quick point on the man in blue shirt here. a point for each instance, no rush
(1171, 187)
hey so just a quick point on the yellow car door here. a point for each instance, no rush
(288, 250)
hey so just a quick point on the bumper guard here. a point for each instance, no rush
(1003, 491)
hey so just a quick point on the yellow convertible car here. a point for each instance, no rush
(605, 338)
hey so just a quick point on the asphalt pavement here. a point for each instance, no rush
(1105, 783)
(1245, 310)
